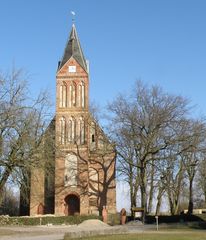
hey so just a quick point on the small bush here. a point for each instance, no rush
(114, 219)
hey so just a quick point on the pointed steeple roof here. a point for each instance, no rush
(73, 49)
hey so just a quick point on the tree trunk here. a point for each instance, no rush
(176, 206)
(136, 187)
(190, 205)
(3, 181)
(132, 201)
(143, 192)
(159, 200)
(205, 194)
(132, 189)
(135, 195)
(171, 204)
(151, 192)
(178, 191)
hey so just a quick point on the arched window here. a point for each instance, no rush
(70, 174)
(82, 95)
(63, 95)
(81, 98)
(72, 95)
(62, 126)
(71, 130)
(81, 130)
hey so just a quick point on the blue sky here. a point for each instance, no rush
(161, 42)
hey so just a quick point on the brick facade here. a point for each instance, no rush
(84, 177)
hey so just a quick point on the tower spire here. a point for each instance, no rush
(73, 49)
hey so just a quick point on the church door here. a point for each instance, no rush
(72, 205)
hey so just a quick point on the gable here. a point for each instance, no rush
(72, 68)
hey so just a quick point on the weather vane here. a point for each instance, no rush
(73, 16)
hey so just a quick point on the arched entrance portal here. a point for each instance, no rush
(72, 205)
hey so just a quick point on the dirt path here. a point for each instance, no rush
(58, 232)
(52, 232)
(33, 233)
(88, 228)
(48, 232)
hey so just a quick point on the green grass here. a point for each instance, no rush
(184, 235)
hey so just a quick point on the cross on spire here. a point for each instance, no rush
(73, 16)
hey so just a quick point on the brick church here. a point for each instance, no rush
(81, 179)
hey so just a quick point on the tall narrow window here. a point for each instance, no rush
(92, 136)
(62, 95)
(62, 127)
(93, 140)
(81, 130)
(70, 175)
(82, 94)
(72, 95)
(79, 95)
(71, 130)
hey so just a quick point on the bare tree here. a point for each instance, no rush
(127, 167)
(149, 119)
(10, 202)
(201, 182)
(174, 183)
(23, 121)
(193, 153)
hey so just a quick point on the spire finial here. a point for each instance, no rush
(73, 16)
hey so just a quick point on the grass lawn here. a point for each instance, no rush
(170, 235)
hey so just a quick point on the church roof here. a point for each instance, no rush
(73, 49)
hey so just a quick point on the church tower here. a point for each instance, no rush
(81, 156)
(71, 177)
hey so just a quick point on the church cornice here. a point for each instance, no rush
(72, 77)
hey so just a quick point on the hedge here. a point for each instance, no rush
(176, 218)
(45, 220)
